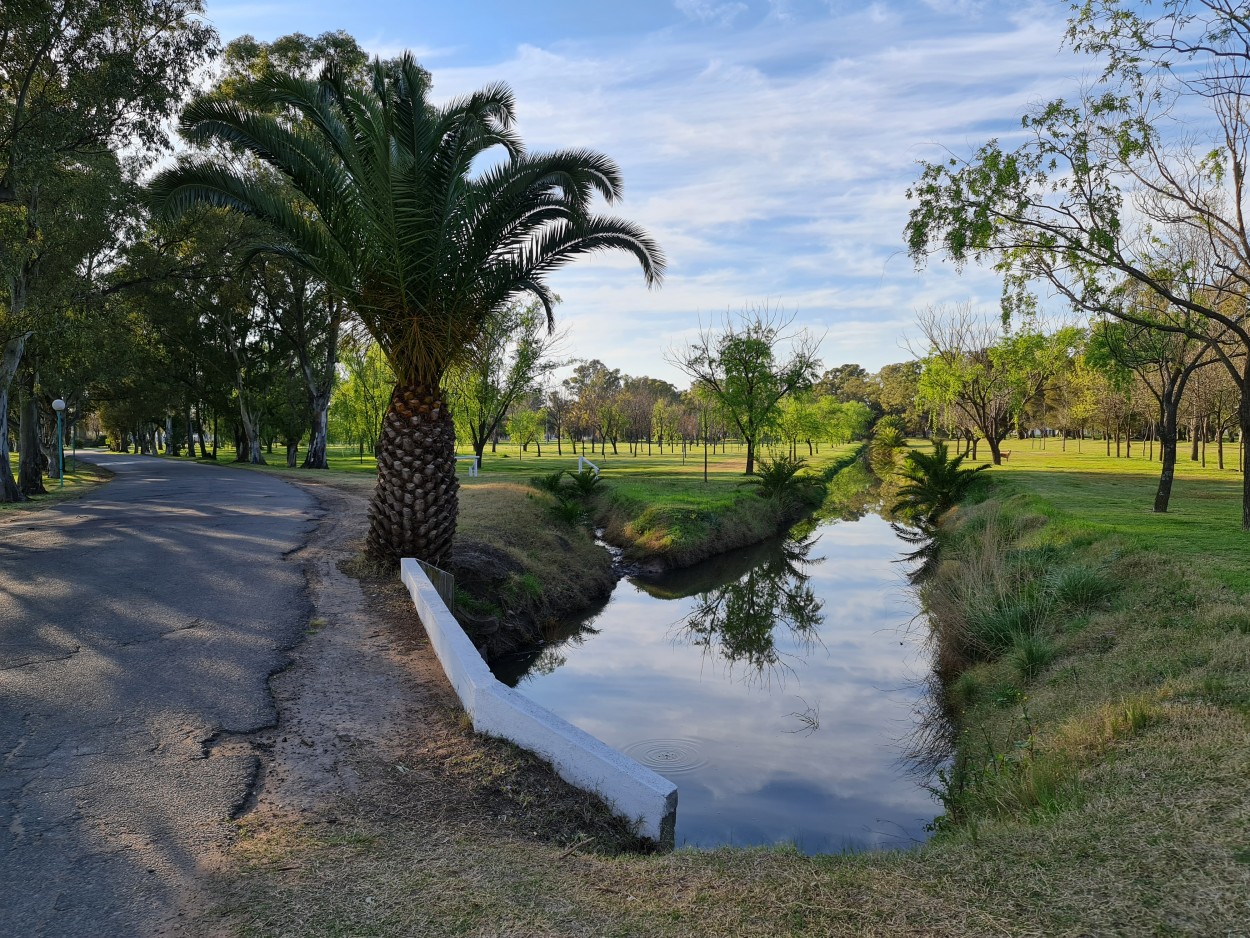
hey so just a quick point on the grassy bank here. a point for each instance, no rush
(517, 558)
(669, 518)
(80, 478)
(1105, 789)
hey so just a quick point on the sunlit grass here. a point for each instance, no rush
(1117, 495)
(80, 478)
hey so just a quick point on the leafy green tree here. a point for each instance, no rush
(507, 361)
(987, 375)
(800, 417)
(301, 312)
(80, 83)
(899, 393)
(1137, 184)
(597, 388)
(424, 252)
(1164, 361)
(845, 422)
(527, 426)
(743, 367)
(360, 400)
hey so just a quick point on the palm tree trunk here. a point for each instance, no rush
(413, 512)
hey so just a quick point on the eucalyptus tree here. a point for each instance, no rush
(747, 368)
(300, 310)
(80, 82)
(393, 219)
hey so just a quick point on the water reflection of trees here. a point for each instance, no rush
(739, 620)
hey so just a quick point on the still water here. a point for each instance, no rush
(779, 687)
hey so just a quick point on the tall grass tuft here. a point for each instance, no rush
(1031, 655)
(1079, 588)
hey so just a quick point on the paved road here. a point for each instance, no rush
(138, 629)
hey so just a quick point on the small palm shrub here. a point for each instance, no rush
(780, 479)
(887, 442)
(934, 483)
(586, 482)
(551, 482)
(568, 510)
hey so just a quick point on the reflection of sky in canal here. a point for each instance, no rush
(748, 769)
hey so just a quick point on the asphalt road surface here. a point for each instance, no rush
(138, 629)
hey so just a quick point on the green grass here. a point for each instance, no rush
(658, 506)
(80, 479)
(1105, 494)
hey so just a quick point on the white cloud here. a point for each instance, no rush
(707, 11)
(771, 162)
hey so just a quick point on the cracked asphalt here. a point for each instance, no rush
(138, 630)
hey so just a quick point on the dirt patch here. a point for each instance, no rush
(370, 729)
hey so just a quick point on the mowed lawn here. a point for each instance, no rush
(80, 478)
(666, 477)
(1089, 488)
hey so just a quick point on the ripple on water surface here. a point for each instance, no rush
(668, 756)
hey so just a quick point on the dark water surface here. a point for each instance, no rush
(778, 687)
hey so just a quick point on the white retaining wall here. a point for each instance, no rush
(632, 790)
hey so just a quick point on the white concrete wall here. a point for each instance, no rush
(632, 790)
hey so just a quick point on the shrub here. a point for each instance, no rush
(551, 482)
(780, 479)
(934, 482)
(585, 482)
(568, 510)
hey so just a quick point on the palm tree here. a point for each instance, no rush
(935, 482)
(384, 207)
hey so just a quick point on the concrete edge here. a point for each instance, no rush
(632, 790)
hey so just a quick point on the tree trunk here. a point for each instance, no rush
(9, 360)
(996, 453)
(292, 452)
(191, 435)
(413, 511)
(172, 447)
(750, 457)
(1167, 453)
(315, 458)
(1243, 423)
(251, 435)
(30, 456)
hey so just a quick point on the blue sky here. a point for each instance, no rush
(767, 144)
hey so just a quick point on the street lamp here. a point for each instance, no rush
(59, 406)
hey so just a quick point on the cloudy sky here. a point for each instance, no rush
(767, 144)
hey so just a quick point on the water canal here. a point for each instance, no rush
(779, 687)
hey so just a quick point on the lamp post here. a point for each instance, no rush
(59, 406)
